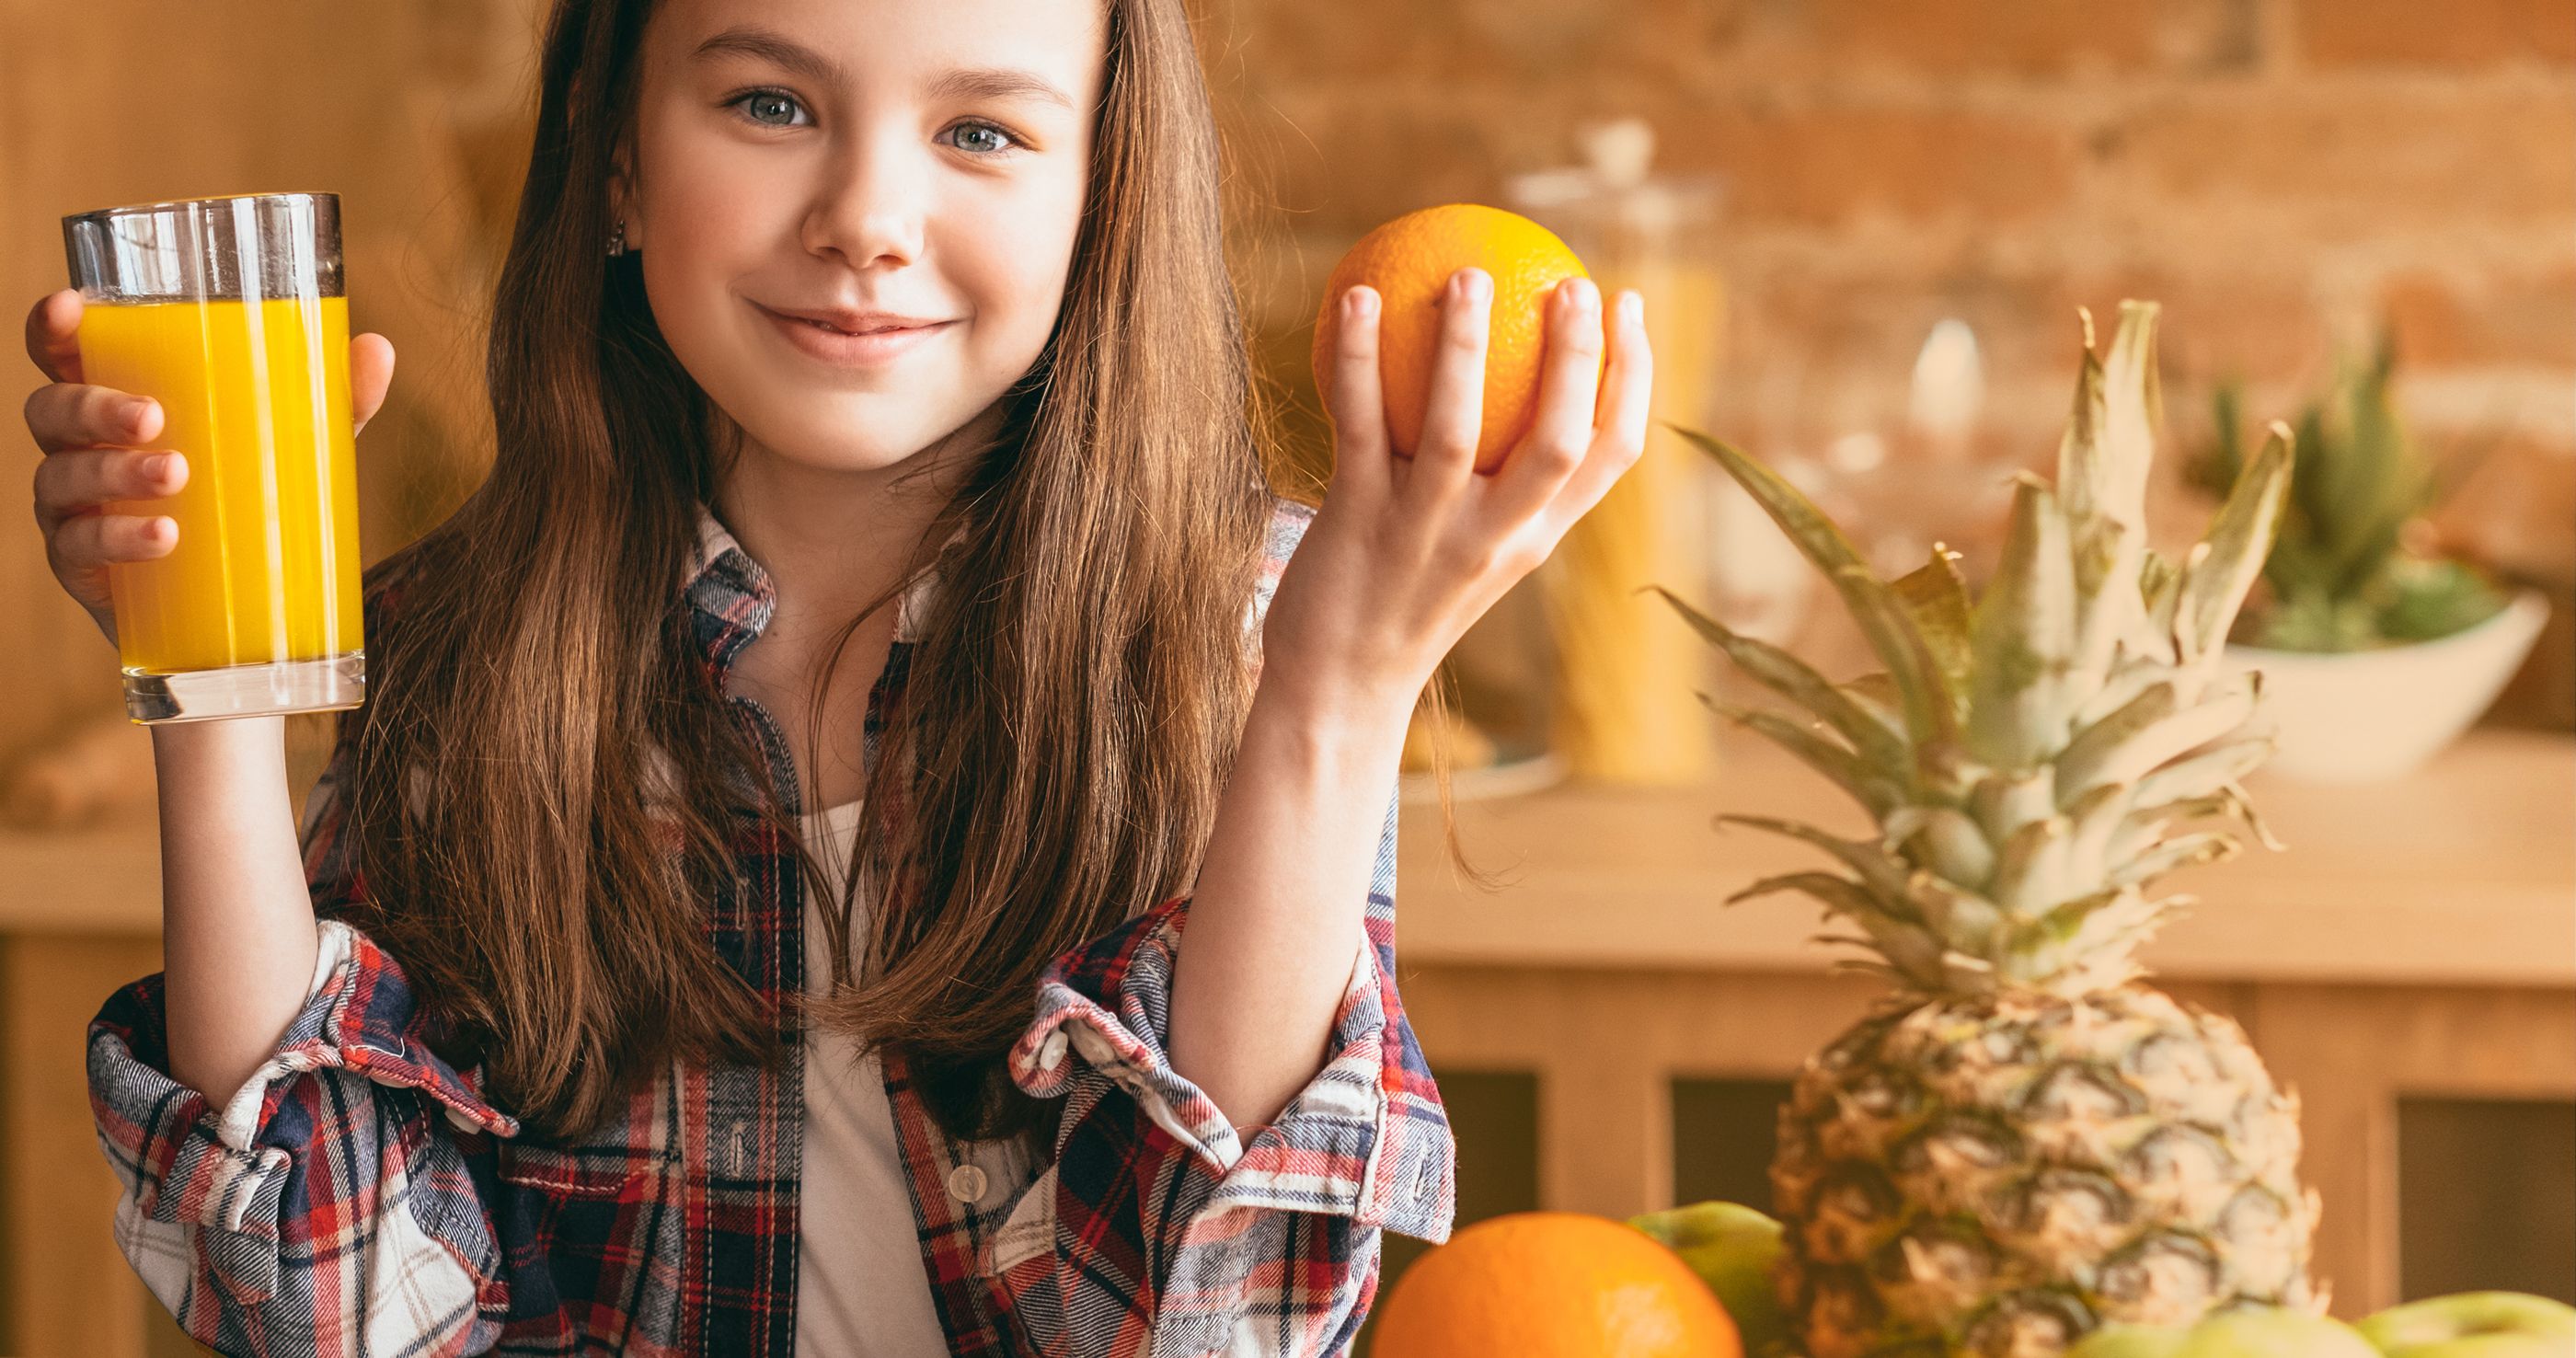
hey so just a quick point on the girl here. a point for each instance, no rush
(581, 1031)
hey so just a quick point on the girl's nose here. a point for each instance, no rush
(870, 205)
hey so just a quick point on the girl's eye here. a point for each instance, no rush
(767, 107)
(989, 130)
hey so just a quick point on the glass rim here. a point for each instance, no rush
(128, 209)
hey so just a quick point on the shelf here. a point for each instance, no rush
(2464, 873)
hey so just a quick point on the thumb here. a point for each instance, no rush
(371, 372)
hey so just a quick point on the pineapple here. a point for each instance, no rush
(2024, 1142)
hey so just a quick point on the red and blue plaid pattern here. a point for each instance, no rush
(359, 1196)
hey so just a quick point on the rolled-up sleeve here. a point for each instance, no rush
(327, 1207)
(1155, 1203)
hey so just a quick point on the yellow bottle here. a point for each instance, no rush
(256, 395)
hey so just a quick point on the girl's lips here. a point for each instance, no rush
(850, 351)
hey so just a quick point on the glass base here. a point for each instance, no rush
(247, 690)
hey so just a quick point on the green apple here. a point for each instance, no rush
(1733, 1249)
(2255, 1332)
(2131, 1341)
(2475, 1325)
(2273, 1332)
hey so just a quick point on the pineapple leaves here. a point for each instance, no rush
(1790, 677)
(2209, 846)
(2084, 944)
(2132, 402)
(2215, 581)
(2159, 589)
(1879, 872)
(1914, 952)
(2030, 874)
(1809, 530)
(2032, 754)
(1931, 712)
(1938, 598)
(2156, 726)
(2101, 479)
(1945, 838)
(2020, 699)
(1929, 705)
(2203, 772)
(1824, 756)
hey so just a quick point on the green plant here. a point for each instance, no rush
(2341, 575)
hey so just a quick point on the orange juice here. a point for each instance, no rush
(256, 395)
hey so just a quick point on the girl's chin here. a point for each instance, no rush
(846, 445)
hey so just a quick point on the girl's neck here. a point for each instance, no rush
(832, 539)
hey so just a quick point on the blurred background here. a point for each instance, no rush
(1864, 228)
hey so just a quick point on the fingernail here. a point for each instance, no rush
(157, 466)
(135, 408)
(1480, 286)
(1632, 306)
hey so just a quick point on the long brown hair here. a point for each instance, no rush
(1073, 706)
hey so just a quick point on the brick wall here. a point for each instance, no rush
(2279, 173)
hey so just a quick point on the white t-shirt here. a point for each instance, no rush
(860, 1288)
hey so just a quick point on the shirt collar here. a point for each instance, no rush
(732, 599)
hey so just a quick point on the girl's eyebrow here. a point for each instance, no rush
(962, 82)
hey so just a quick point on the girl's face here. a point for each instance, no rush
(924, 158)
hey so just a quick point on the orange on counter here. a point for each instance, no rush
(1552, 1285)
(1409, 261)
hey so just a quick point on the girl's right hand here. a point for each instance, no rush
(97, 446)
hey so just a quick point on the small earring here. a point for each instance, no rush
(617, 239)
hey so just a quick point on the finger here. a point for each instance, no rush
(1569, 384)
(66, 415)
(1619, 437)
(53, 335)
(1357, 399)
(83, 480)
(1454, 407)
(371, 373)
(105, 539)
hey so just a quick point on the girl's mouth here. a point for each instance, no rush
(844, 349)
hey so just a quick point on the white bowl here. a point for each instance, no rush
(2365, 716)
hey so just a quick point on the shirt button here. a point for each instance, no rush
(966, 1183)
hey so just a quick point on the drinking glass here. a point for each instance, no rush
(230, 312)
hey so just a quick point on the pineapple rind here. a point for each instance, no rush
(2122, 1153)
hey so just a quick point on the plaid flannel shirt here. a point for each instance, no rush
(360, 1196)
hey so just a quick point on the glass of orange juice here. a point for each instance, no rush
(230, 312)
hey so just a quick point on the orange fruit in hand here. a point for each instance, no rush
(1409, 262)
(1552, 1285)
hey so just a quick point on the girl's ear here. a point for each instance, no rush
(621, 194)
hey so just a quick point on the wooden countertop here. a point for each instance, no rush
(2464, 873)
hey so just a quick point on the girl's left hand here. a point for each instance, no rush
(1406, 554)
